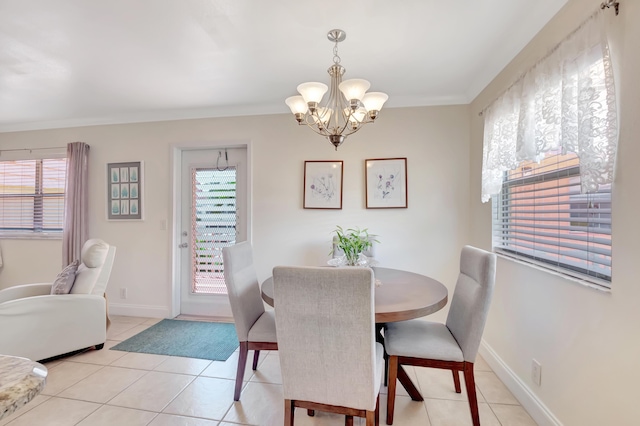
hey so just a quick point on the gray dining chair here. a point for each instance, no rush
(329, 358)
(255, 326)
(454, 345)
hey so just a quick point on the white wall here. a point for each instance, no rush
(424, 238)
(586, 340)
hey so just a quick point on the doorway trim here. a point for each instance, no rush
(176, 213)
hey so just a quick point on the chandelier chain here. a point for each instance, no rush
(336, 58)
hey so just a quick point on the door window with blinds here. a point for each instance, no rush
(32, 196)
(540, 215)
(214, 226)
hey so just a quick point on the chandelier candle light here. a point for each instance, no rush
(348, 106)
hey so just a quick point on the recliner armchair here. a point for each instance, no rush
(39, 325)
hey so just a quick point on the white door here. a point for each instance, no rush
(213, 210)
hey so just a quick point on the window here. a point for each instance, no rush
(550, 143)
(541, 215)
(214, 222)
(32, 196)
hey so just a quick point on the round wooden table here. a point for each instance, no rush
(400, 296)
(20, 381)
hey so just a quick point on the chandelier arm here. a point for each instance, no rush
(347, 121)
(315, 130)
(352, 131)
(313, 125)
(313, 119)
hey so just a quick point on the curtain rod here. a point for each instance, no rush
(608, 4)
(30, 149)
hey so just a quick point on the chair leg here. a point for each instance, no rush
(256, 355)
(242, 361)
(470, 382)
(377, 412)
(386, 368)
(456, 380)
(371, 418)
(289, 411)
(391, 392)
(348, 421)
(380, 339)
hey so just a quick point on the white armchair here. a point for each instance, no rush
(38, 325)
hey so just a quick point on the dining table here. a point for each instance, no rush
(399, 296)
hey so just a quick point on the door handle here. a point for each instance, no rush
(183, 245)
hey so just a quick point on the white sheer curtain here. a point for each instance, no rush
(567, 102)
(76, 202)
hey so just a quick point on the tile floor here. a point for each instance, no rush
(110, 387)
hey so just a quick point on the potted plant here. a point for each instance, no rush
(352, 242)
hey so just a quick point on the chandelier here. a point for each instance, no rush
(346, 110)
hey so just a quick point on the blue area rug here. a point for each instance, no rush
(193, 339)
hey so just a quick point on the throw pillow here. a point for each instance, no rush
(64, 280)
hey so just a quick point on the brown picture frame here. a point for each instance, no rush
(322, 187)
(386, 183)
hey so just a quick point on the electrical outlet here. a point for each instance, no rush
(123, 293)
(536, 372)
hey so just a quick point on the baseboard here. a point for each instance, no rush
(140, 310)
(536, 408)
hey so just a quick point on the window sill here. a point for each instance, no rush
(8, 235)
(594, 283)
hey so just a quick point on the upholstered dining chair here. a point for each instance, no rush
(255, 326)
(329, 358)
(453, 345)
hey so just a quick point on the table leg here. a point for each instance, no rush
(380, 339)
(413, 392)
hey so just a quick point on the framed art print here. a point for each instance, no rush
(124, 191)
(386, 183)
(322, 185)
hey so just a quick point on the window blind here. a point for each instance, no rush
(32, 195)
(540, 215)
(213, 226)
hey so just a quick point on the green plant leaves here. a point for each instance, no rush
(352, 242)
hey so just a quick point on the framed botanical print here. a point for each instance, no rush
(322, 185)
(386, 183)
(124, 191)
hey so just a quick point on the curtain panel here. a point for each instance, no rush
(566, 102)
(76, 202)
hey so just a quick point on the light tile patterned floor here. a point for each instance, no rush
(109, 387)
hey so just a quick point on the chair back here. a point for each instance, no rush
(325, 321)
(471, 299)
(242, 287)
(94, 271)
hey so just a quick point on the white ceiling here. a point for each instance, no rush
(80, 62)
